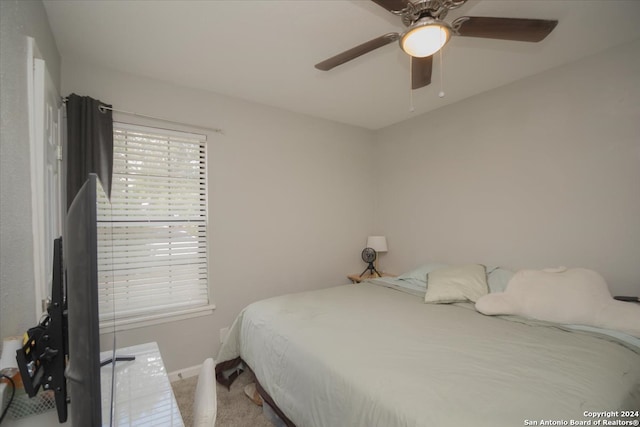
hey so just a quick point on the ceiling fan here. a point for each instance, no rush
(427, 33)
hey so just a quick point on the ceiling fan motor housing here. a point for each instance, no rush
(436, 9)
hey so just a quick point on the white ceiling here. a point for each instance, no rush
(265, 50)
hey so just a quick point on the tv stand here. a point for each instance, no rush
(141, 387)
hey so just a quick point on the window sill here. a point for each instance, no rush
(153, 319)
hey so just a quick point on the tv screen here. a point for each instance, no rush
(81, 259)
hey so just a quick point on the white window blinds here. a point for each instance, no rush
(152, 237)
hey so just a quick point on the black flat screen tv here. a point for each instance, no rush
(81, 262)
(62, 353)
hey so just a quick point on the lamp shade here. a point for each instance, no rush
(425, 37)
(377, 243)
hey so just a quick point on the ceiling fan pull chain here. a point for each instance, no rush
(441, 93)
(411, 107)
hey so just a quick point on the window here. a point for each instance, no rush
(152, 238)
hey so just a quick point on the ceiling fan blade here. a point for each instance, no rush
(392, 5)
(524, 30)
(421, 71)
(357, 51)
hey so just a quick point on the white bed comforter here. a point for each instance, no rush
(365, 355)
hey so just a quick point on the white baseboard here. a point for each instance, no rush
(182, 374)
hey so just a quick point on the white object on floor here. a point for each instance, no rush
(205, 404)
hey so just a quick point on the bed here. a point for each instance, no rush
(375, 354)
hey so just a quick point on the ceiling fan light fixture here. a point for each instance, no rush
(425, 37)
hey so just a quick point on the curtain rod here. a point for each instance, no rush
(130, 113)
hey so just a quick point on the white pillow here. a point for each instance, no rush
(205, 404)
(456, 284)
(568, 296)
(418, 276)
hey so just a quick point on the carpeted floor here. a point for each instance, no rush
(235, 409)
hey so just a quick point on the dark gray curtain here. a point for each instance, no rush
(89, 143)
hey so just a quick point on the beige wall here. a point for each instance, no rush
(290, 199)
(542, 172)
(18, 20)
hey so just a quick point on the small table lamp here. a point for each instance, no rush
(377, 243)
